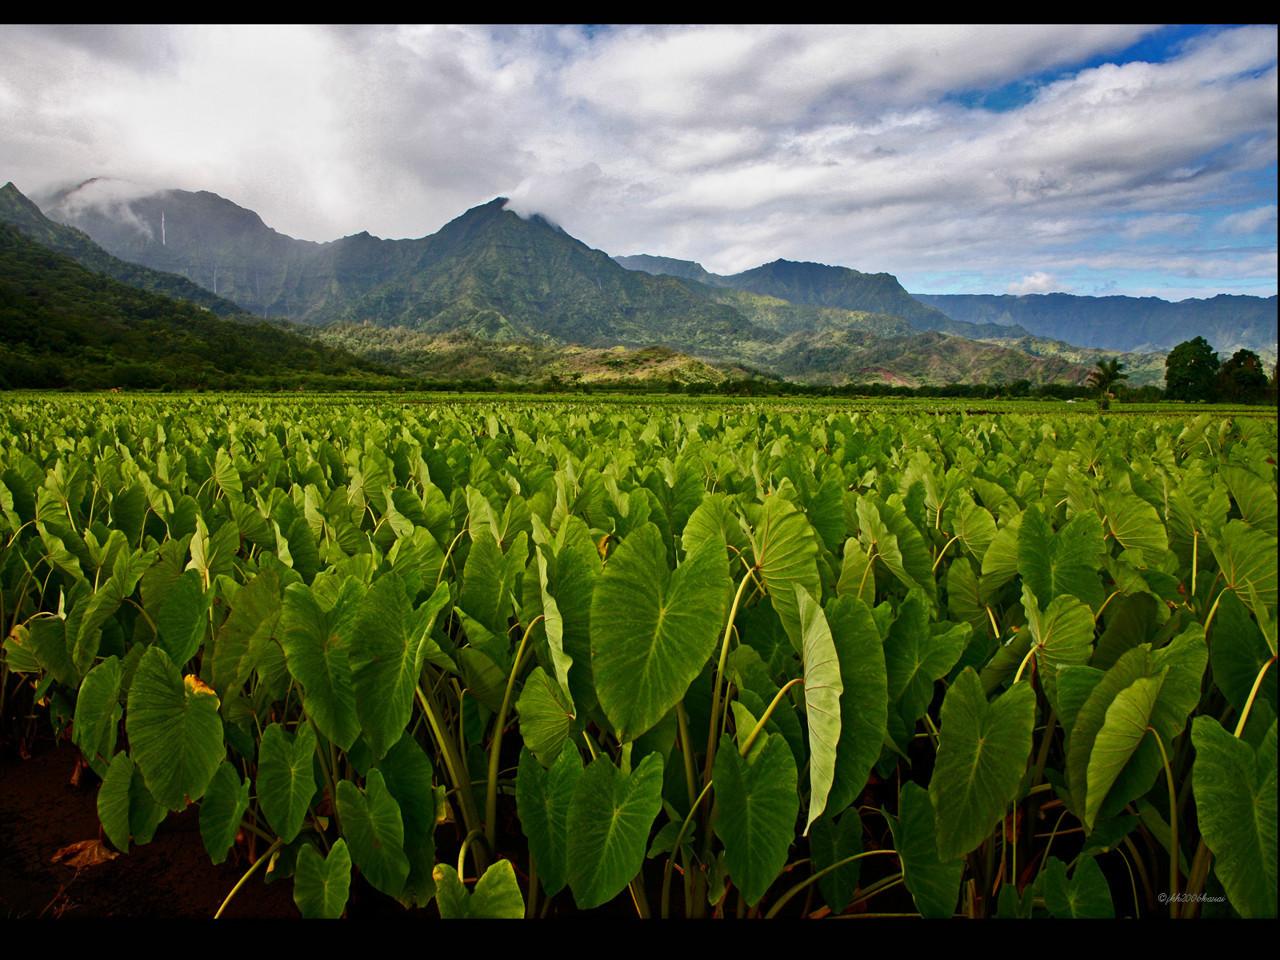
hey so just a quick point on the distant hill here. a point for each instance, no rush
(820, 285)
(492, 276)
(488, 272)
(63, 325)
(17, 211)
(671, 267)
(1123, 323)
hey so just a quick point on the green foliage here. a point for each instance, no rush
(1191, 371)
(304, 615)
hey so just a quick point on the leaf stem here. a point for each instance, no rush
(1253, 695)
(719, 679)
(686, 751)
(675, 850)
(1173, 824)
(276, 845)
(462, 854)
(943, 552)
(1025, 660)
(755, 731)
(495, 745)
(460, 783)
(818, 875)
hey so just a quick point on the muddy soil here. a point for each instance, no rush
(41, 812)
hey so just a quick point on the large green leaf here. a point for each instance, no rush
(609, 822)
(652, 631)
(543, 799)
(915, 658)
(408, 774)
(98, 711)
(182, 617)
(786, 551)
(1123, 730)
(975, 528)
(1091, 714)
(321, 884)
(831, 841)
(221, 810)
(864, 701)
(1085, 896)
(758, 804)
(822, 689)
(175, 732)
(934, 884)
(857, 576)
(1235, 792)
(1237, 652)
(1135, 523)
(496, 895)
(125, 805)
(487, 582)
(1062, 634)
(1184, 659)
(316, 648)
(1247, 558)
(546, 720)
(373, 826)
(982, 754)
(553, 628)
(1061, 564)
(1255, 497)
(286, 777)
(246, 632)
(386, 655)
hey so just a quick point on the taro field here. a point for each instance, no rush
(523, 658)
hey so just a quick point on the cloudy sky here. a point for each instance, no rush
(1112, 159)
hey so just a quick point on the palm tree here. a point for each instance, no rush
(1106, 375)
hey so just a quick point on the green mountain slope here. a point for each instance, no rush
(671, 267)
(61, 324)
(492, 276)
(17, 211)
(462, 356)
(1123, 323)
(820, 285)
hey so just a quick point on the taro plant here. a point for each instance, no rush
(514, 659)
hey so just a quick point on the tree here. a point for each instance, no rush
(1191, 371)
(1106, 375)
(1242, 379)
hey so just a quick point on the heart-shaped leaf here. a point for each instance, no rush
(321, 884)
(652, 630)
(982, 753)
(286, 777)
(1235, 792)
(758, 804)
(609, 822)
(175, 732)
(374, 828)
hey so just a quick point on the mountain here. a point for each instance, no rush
(17, 211)
(489, 272)
(63, 325)
(1123, 323)
(492, 276)
(464, 357)
(913, 359)
(671, 267)
(817, 284)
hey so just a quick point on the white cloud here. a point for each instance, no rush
(1038, 282)
(729, 145)
(1257, 220)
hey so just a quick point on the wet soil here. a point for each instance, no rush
(41, 812)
